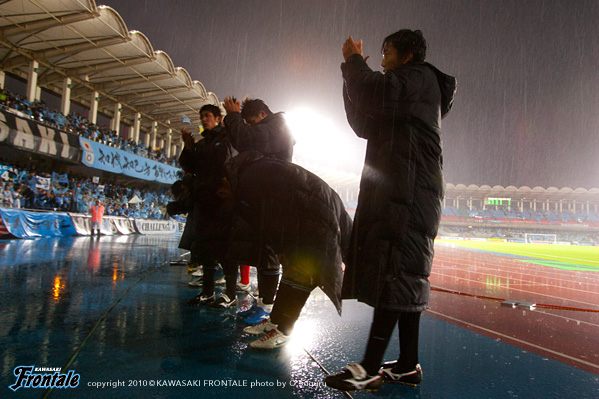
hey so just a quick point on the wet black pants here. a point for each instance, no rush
(288, 305)
(268, 282)
(381, 329)
(230, 270)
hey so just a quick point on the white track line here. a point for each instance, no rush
(524, 291)
(507, 337)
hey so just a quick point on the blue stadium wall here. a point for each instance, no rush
(28, 224)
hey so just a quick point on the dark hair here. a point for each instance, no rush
(213, 109)
(407, 41)
(252, 107)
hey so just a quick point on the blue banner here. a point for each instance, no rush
(25, 224)
(60, 183)
(113, 160)
(60, 178)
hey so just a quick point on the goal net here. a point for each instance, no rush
(541, 238)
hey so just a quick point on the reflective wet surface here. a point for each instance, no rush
(550, 329)
(113, 311)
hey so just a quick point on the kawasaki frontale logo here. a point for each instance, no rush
(38, 377)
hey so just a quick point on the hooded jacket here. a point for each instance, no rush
(297, 215)
(399, 206)
(271, 136)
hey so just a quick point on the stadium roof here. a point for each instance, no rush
(91, 45)
(538, 193)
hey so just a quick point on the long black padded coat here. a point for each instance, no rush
(272, 138)
(294, 212)
(401, 189)
(209, 231)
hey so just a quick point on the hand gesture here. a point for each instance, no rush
(351, 47)
(186, 137)
(231, 104)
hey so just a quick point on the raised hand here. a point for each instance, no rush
(186, 137)
(351, 47)
(231, 104)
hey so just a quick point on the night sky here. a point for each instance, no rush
(527, 108)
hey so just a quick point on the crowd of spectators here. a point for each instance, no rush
(515, 234)
(77, 124)
(503, 212)
(20, 188)
(545, 218)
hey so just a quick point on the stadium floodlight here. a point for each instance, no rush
(320, 141)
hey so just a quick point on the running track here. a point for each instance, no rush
(569, 336)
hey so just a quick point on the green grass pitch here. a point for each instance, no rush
(571, 257)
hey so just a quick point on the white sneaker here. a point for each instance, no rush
(271, 340)
(353, 377)
(261, 328)
(223, 302)
(196, 282)
(244, 287)
(221, 280)
(198, 273)
(193, 267)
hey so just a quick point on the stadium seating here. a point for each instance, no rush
(76, 123)
(22, 189)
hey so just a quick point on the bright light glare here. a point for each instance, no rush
(321, 141)
(301, 336)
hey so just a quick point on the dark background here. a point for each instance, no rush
(527, 107)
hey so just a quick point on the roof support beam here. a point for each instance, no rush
(153, 93)
(136, 127)
(122, 83)
(93, 109)
(43, 24)
(101, 67)
(165, 105)
(64, 51)
(154, 134)
(32, 81)
(145, 96)
(65, 101)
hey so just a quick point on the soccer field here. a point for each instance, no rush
(574, 257)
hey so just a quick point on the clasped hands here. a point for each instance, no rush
(351, 47)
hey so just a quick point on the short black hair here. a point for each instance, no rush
(213, 109)
(252, 107)
(407, 41)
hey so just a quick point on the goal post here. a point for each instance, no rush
(537, 238)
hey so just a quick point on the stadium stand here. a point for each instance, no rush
(83, 56)
(88, 110)
(75, 123)
(54, 192)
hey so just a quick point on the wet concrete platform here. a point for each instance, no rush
(113, 311)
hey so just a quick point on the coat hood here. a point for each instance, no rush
(448, 86)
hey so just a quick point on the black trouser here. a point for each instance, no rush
(268, 281)
(229, 269)
(381, 329)
(288, 306)
(209, 268)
